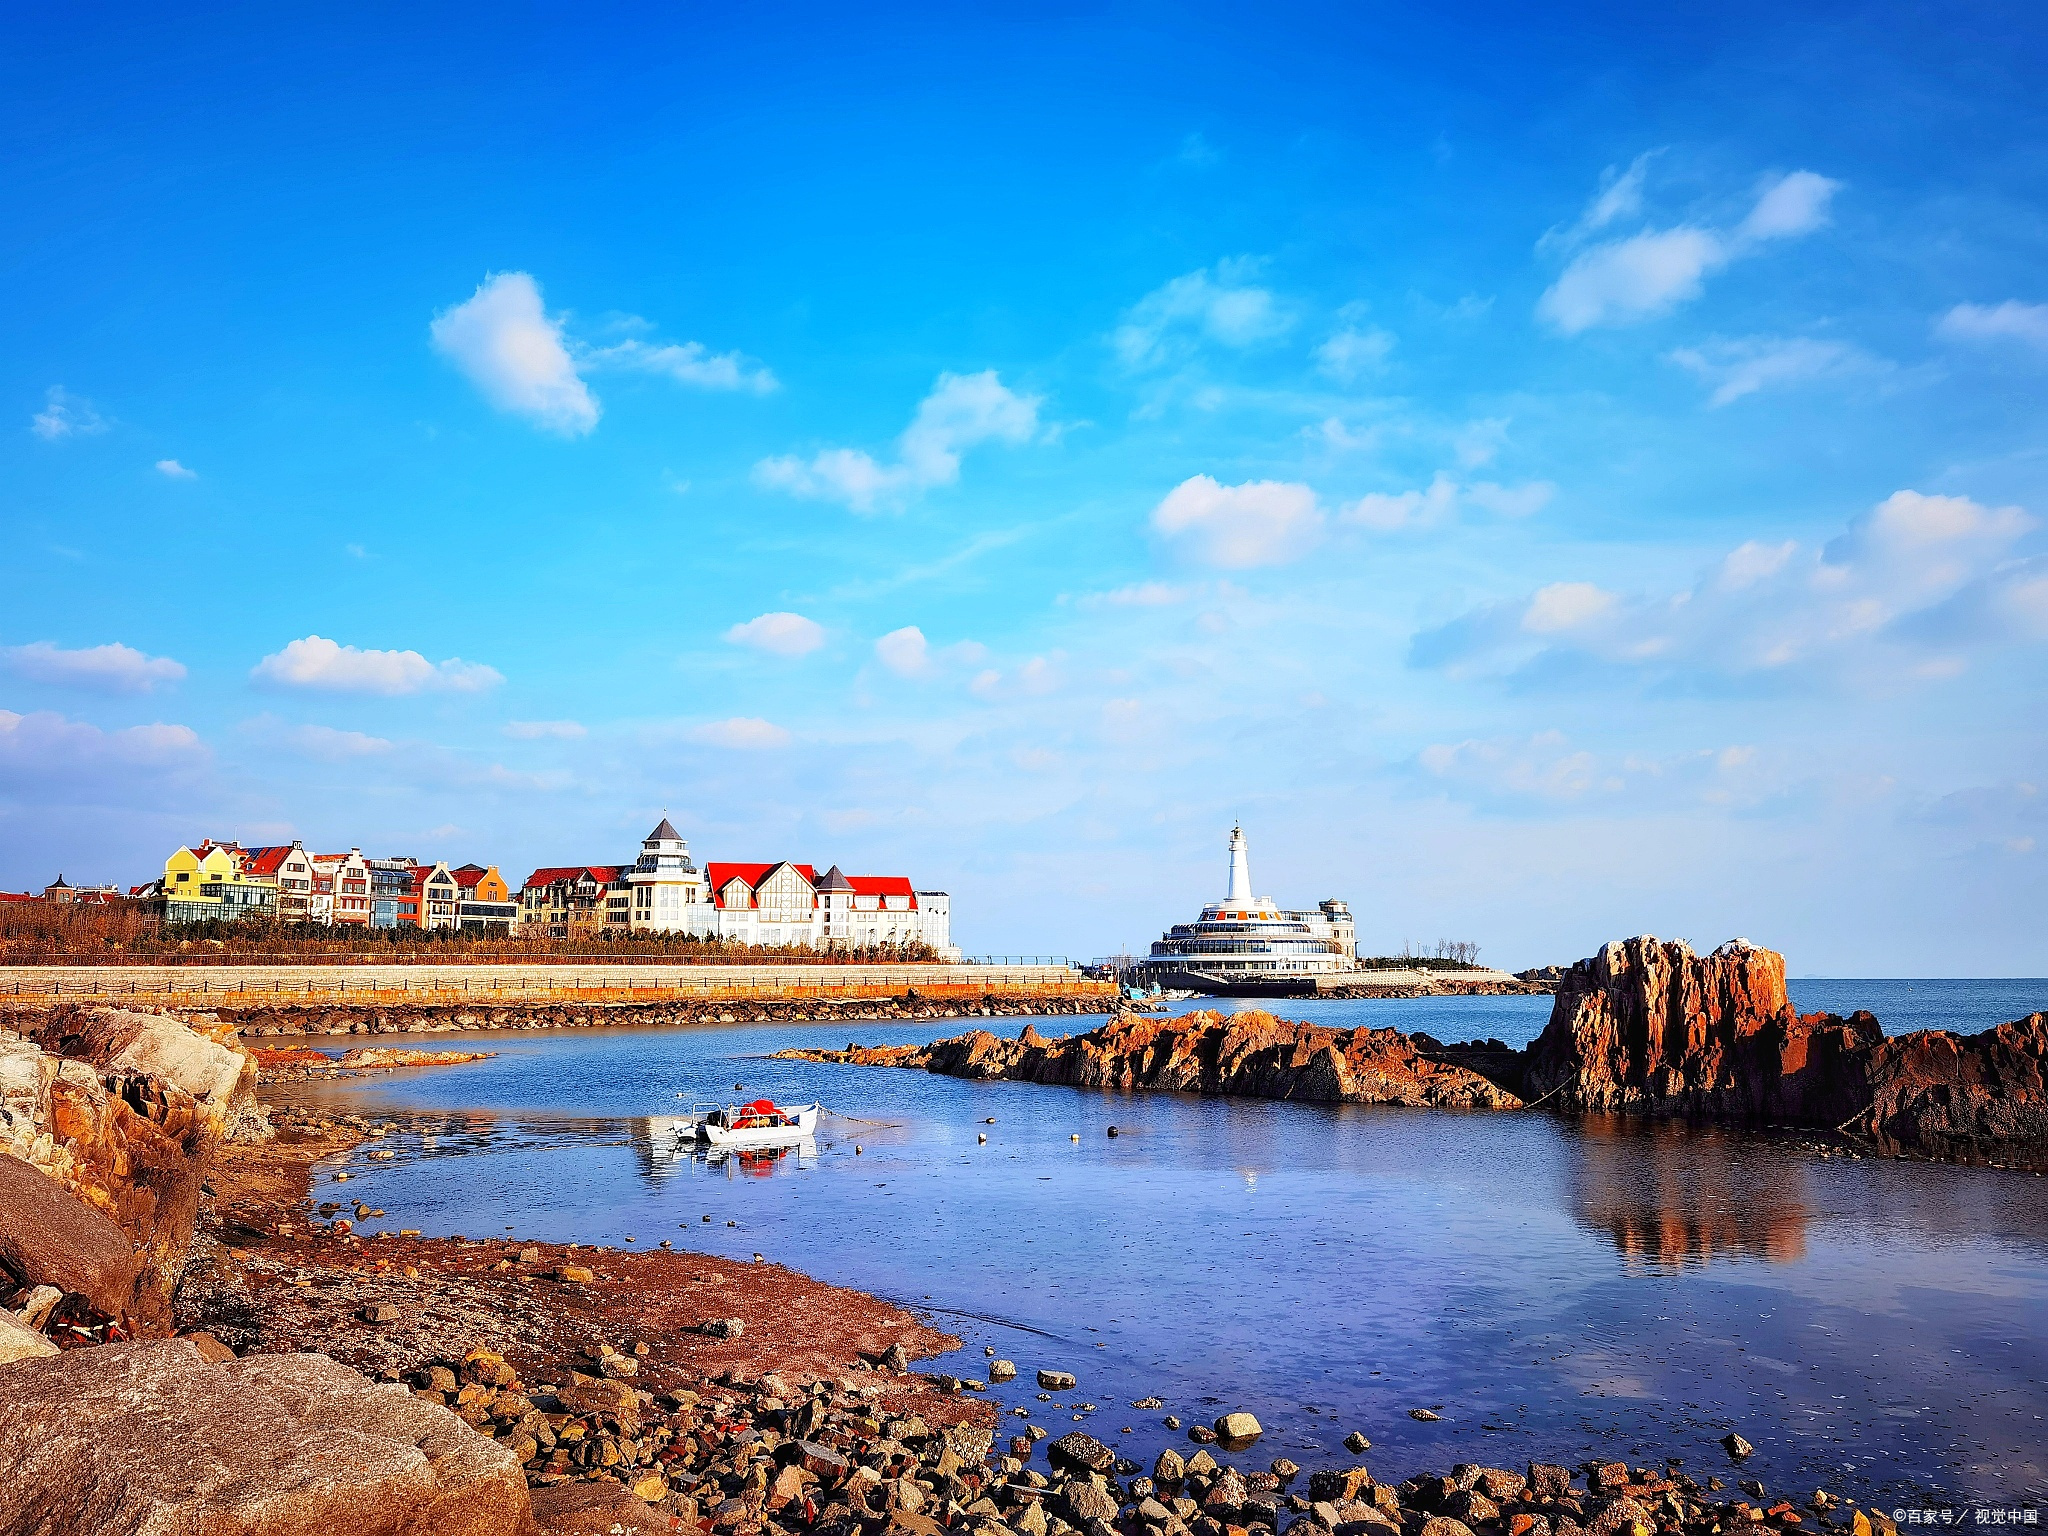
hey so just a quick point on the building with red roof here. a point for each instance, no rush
(568, 900)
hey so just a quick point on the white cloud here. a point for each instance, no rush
(58, 755)
(544, 730)
(1742, 367)
(329, 745)
(1620, 197)
(171, 469)
(65, 415)
(1335, 433)
(1907, 590)
(2011, 320)
(1511, 500)
(1543, 767)
(961, 412)
(780, 634)
(1141, 594)
(1619, 282)
(1228, 309)
(1564, 606)
(744, 734)
(1384, 511)
(1632, 279)
(1790, 206)
(1389, 511)
(503, 339)
(1262, 522)
(106, 668)
(1351, 352)
(688, 362)
(1480, 442)
(905, 652)
(322, 664)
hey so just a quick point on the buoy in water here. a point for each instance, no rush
(1112, 1130)
(982, 1138)
(1075, 1137)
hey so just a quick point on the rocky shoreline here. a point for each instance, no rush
(198, 1358)
(1642, 1028)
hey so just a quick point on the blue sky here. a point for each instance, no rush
(1552, 475)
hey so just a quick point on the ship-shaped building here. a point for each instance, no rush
(1247, 946)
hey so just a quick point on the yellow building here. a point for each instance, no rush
(214, 881)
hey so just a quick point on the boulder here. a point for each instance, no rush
(18, 1341)
(202, 1058)
(1084, 1499)
(141, 1438)
(1080, 1453)
(50, 1237)
(1238, 1428)
(1056, 1381)
(603, 1508)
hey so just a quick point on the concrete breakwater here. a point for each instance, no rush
(1643, 1028)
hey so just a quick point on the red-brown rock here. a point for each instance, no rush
(1647, 1027)
(1250, 1055)
(1972, 1098)
(134, 1438)
(48, 1236)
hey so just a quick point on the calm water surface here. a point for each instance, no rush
(1554, 1290)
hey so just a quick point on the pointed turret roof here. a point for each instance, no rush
(665, 833)
(833, 880)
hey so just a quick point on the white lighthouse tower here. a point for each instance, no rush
(1240, 894)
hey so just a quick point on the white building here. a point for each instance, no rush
(667, 893)
(935, 923)
(792, 904)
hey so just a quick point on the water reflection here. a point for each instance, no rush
(1671, 1196)
(665, 1144)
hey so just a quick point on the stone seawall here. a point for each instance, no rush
(260, 1021)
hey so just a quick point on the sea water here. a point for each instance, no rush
(1553, 1289)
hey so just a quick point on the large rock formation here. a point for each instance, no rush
(1648, 1027)
(141, 1439)
(1971, 1098)
(123, 1111)
(1250, 1054)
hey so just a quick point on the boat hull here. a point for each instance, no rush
(1232, 986)
(745, 1138)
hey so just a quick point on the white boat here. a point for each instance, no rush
(762, 1123)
